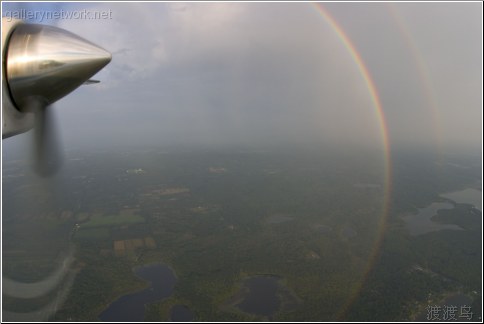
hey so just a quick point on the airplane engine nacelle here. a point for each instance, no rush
(41, 64)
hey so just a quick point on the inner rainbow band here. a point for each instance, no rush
(383, 128)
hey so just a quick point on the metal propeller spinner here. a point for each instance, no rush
(44, 64)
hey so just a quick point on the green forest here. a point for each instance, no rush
(326, 223)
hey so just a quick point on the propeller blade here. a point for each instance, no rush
(47, 152)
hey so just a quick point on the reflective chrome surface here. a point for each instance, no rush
(46, 63)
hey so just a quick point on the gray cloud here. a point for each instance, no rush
(241, 73)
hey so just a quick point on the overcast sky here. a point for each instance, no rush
(262, 73)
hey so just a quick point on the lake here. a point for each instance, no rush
(181, 313)
(263, 295)
(131, 307)
(422, 223)
(467, 196)
(262, 298)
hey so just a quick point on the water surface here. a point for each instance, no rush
(131, 307)
(261, 298)
(422, 223)
(181, 313)
(467, 196)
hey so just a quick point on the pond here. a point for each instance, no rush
(348, 232)
(278, 219)
(131, 307)
(264, 295)
(261, 298)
